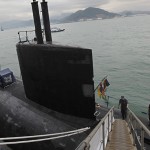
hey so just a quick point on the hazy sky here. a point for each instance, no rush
(21, 9)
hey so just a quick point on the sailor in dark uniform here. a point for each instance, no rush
(124, 104)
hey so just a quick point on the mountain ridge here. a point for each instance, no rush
(89, 13)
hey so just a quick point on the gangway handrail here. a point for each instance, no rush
(87, 144)
(140, 122)
(135, 124)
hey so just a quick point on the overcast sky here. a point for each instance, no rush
(21, 9)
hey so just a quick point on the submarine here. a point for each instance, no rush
(55, 94)
(53, 105)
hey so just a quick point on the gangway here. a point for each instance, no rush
(120, 137)
(117, 134)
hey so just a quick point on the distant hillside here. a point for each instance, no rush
(16, 24)
(131, 13)
(89, 13)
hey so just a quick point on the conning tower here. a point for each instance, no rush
(56, 76)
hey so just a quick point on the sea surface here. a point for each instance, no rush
(121, 50)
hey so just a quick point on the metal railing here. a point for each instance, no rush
(98, 138)
(28, 36)
(137, 129)
(25, 37)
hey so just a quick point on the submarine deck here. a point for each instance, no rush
(26, 115)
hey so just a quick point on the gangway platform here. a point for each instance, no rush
(120, 137)
(117, 134)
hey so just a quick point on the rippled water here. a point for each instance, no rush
(121, 50)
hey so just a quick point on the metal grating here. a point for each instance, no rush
(120, 137)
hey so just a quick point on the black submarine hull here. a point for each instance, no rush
(21, 117)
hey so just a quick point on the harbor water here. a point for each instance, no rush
(121, 50)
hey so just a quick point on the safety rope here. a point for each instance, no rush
(44, 135)
(62, 134)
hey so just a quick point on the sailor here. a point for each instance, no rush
(124, 104)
